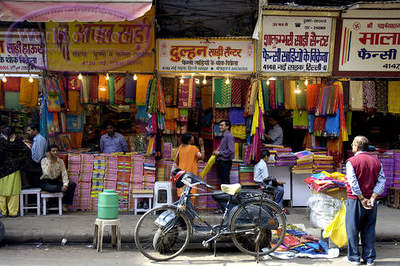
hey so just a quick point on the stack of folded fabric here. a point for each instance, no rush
(388, 164)
(167, 152)
(285, 159)
(212, 179)
(235, 173)
(99, 167)
(318, 150)
(85, 181)
(246, 174)
(111, 171)
(322, 163)
(325, 181)
(123, 180)
(149, 173)
(304, 163)
(74, 167)
(396, 172)
(137, 180)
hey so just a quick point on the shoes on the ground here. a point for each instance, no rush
(370, 263)
(65, 209)
(285, 211)
(218, 211)
(351, 261)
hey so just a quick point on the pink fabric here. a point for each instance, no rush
(71, 11)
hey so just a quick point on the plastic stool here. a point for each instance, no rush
(141, 194)
(23, 200)
(160, 186)
(45, 195)
(99, 226)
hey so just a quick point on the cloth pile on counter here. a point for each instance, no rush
(325, 181)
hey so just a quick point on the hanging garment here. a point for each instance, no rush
(103, 94)
(245, 90)
(29, 92)
(11, 99)
(74, 83)
(332, 125)
(12, 84)
(221, 114)
(187, 93)
(238, 131)
(119, 97)
(266, 94)
(141, 88)
(343, 134)
(53, 125)
(293, 100)
(394, 97)
(130, 89)
(111, 90)
(369, 96)
(346, 95)
(332, 102)
(43, 116)
(286, 86)
(312, 95)
(74, 104)
(311, 118)
(272, 102)
(236, 116)
(300, 119)
(349, 118)
(301, 99)
(222, 93)
(94, 88)
(237, 87)
(1, 96)
(53, 96)
(206, 97)
(171, 113)
(279, 94)
(356, 95)
(171, 91)
(62, 85)
(319, 125)
(85, 89)
(381, 96)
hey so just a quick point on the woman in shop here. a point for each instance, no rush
(13, 154)
(188, 155)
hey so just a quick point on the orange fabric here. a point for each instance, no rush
(103, 92)
(141, 88)
(76, 139)
(187, 161)
(74, 102)
(29, 91)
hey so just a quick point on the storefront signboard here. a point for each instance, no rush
(102, 46)
(206, 55)
(296, 44)
(370, 45)
(21, 51)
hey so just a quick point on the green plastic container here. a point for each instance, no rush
(108, 205)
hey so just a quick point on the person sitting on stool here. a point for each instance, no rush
(261, 173)
(53, 168)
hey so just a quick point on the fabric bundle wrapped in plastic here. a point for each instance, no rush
(323, 209)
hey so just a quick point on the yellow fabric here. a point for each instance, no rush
(28, 92)
(254, 124)
(335, 175)
(74, 102)
(336, 230)
(11, 184)
(11, 203)
(238, 131)
(356, 95)
(208, 167)
(237, 149)
(141, 88)
(394, 97)
(260, 97)
(171, 113)
(292, 94)
(206, 97)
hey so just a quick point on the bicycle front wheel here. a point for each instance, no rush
(163, 233)
(258, 224)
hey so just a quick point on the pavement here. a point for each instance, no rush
(78, 227)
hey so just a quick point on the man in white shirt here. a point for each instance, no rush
(261, 173)
(274, 135)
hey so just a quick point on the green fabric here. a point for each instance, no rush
(300, 119)
(152, 108)
(301, 97)
(222, 93)
(266, 93)
(279, 94)
(349, 117)
(11, 100)
(11, 184)
(111, 89)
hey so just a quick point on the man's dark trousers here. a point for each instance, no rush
(224, 171)
(363, 221)
(54, 186)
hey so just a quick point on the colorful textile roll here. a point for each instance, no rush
(94, 88)
(394, 97)
(209, 165)
(356, 95)
(28, 95)
(103, 94)
(236, 116)
(130, 89)
(119, 90)
(222, 93)
(279, 94)
(141, 88)
(381, 96)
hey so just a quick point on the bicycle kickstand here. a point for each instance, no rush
(215, 247)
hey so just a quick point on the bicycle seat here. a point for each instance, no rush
(231, 189)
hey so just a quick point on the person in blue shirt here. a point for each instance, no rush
(112, 141)
(38, 146)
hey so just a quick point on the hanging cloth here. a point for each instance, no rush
(331, 105)
(311, 118)
(11, 99)
(300, 119)
(369, 96)
(221, 114)
(43, 116)
(279, 94)
(130, 89)
(343, 134)
(266, 94)
(246, 88)
(356, 95)
(74, 122)
(111, 89)
(160, 100)
(346, 95)
(119, 82)
(349, 118)
(12, 84)
(85, 89)
(332, 125)
(171, 91)
(141, 88)
(272, 102)
(206, 97)
(103, 94)
(53, 96)
(53, 126)
(94, 88)
(312, 94)
(237, 87)
(293, 100)
(301, 101)
(286, 86)
(381, 96)
(222, 93)
(151, 98)
(1, 96)
(62, 85)
(74, 104)
(236, 116)
(74, 83)
(29, 91)
(394, 97)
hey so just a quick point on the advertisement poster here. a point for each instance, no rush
(101, 46)
(370, 45)
(212, 55)
(296, 44)
(21, 51)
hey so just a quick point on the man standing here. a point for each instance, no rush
(274, 135)
(112, 141)
(38, 148)
(225, 152)
(366, 181)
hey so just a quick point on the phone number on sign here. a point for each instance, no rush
(391, 66)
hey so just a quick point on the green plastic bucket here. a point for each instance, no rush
(108, 205)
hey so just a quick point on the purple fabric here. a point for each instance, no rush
(130, 89)
(236, 116)
(227, 147)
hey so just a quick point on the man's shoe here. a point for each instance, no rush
(370, 263)
(285, 211)
(352, 261)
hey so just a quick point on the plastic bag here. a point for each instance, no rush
(323, 209)
(209, 164)
(336, 231)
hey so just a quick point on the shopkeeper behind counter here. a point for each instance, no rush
(274, 134)
(112, 141)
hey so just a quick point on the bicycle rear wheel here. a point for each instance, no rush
(259, 221)
(163, 233)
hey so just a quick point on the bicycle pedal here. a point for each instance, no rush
(205, 244)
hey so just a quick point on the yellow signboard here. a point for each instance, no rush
(103, 46)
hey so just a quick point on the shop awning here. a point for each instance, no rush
(64, 10)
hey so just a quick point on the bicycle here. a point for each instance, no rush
(257, 225)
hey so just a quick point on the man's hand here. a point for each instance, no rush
(216, 153)
(280, 182)
(48, 155)
(64, 188)
(366, 203)
(267, 137)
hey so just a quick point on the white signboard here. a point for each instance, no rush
(21, 50)
(211, 55)
(296, 44)
(370, 45)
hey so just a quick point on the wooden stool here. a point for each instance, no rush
(45, 195)
(23, 200)
(99, 226)
(141, 194)
(396, 197)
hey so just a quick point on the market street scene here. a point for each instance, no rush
(198, 132)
